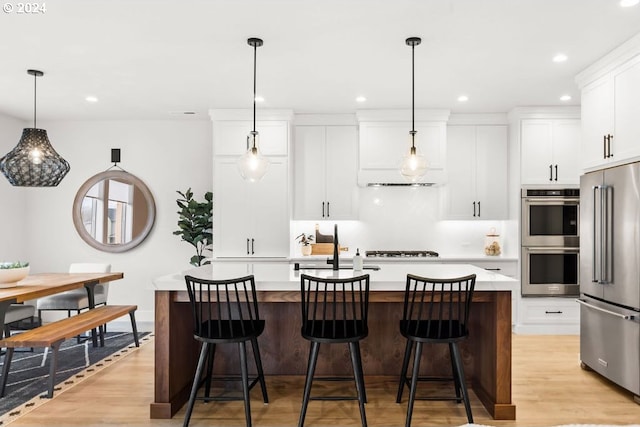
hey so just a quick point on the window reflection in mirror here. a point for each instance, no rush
(114, 211)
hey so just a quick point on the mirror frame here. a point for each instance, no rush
(119, 175)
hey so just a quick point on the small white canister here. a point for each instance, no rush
(492, 246)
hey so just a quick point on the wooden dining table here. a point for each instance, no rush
(41, 285)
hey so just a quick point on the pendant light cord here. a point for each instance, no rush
(255, 50)
(413, 97)
(35, 98)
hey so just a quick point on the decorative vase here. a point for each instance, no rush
(306, 250)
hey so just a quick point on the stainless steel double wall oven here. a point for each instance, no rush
(550, 241)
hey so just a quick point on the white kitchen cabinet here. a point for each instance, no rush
(610, 107)
(251, 219)
(325, 169)
(230, 137)
(477, 172)
(550, 151)
(384, 144)
(548, 315)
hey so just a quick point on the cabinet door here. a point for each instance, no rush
(269, 211)
(341, 172)
(230, 137)
(250, 210)
(460, 189)
(233, 218)
(626, 135)
(536, 161)
(491, 172)
(596, 121)
(566, 149)
(309, 171)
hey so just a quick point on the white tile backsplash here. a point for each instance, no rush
(408, 218)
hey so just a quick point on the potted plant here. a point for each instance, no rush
(305, 240)
(196, 223)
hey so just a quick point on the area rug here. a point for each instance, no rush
(28, 379)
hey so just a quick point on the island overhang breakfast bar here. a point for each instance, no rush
(486, 354)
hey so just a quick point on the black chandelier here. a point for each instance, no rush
(34, 162)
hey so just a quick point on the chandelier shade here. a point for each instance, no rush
(34, 162)
(252, 164)
(414, 165)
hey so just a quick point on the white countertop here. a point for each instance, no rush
(280, 276)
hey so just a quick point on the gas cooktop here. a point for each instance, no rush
(401, 254)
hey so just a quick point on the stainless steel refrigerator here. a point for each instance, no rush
(610, 274)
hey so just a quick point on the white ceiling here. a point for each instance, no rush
(145, 59)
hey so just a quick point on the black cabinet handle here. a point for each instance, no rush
(604, 146)
(556, 166)
(252, 246)
(474, 209)
(550, 172)
(493, 269)
(328, 212)
(478, 209)
(322, 209)
(610, 137)
(553, 312)
(247, 246)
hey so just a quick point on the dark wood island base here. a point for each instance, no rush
(486, 354)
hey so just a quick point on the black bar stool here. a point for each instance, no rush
(335, 311)
(435, 311)
(225, 312)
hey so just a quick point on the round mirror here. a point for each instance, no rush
(114, 211)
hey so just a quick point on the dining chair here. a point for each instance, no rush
(335, 311)
(76, 300)
(435, 311)
(16, 313)
(225, 312)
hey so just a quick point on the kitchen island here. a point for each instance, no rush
(486, 354)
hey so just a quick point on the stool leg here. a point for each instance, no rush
(359, 356)
(256, 356)
(8, 355)
(245, 381)
(463, 386)
(196, 383)
(403, 372)
(210, 356)
(456, 379)
(134, 328)
(313, 358)
(357, 371)
(414, 382)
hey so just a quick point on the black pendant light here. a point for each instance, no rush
(414, 165)
(34, 162)
(253, 165)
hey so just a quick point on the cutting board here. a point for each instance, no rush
(325, 248)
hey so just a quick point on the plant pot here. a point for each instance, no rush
(306, 250)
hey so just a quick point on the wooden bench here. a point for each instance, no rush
(53, 334)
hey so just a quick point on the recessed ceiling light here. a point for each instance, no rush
(361, 99)
(560, 57)
(565, 98)
(463, 98)
(91, 98)
(628, 3)
(259, 98)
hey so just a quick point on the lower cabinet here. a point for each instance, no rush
(548, 315)
(507, 268)
(251, 219)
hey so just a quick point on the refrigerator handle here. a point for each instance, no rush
(613, 313)
(606, 236)
(596, 262)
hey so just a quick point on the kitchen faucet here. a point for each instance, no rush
(335, 262)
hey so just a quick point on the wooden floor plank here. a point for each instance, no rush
(549, 388)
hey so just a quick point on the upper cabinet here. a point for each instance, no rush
(550, 151)
(250, 219)
(325, 170)
(610, 106)
(385, 140)
(477, 172)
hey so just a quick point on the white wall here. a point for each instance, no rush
(166, 155)
(13, 245)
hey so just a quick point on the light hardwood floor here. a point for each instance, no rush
(549, 388)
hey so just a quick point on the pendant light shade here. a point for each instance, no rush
(414, 165)
(253, 165)
(34, 162)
